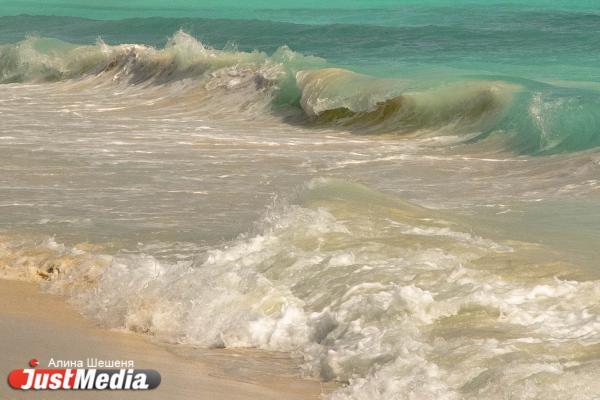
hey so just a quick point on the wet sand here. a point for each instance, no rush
(38, 325)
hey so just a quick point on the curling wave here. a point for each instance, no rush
(531, 117)
(369, 104)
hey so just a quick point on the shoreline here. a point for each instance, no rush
(43, 326)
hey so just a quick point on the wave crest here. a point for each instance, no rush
(370, 104)
(530, 117)
(41, 59)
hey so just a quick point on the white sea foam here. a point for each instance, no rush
(396, 313)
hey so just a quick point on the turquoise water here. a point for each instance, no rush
(405, 194)
(549, 49)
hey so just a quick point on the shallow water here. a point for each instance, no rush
(408, 235)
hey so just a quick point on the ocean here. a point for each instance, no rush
(405, 195)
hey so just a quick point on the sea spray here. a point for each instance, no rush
(370, 290)
(436, 169)
(532, 117)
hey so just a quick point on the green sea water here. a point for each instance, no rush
(551, 49)
(403, 193)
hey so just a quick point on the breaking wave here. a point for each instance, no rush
(391, 299)
(368, 104)
(530, 117)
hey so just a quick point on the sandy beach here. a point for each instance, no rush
(333, 200)
(38, 325)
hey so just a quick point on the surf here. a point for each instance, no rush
(531, 117)
(368, 288)
(408, 206)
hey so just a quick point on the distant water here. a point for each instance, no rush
(407, 196)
